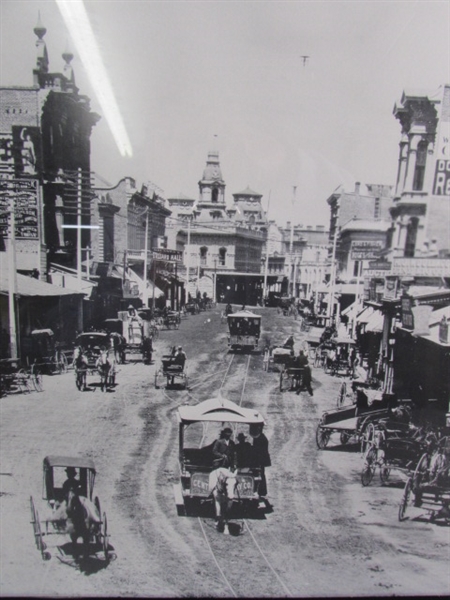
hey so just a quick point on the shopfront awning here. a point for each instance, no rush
(375, 322)
(29, 286)
(365, 315)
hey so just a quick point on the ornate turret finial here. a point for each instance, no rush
(39, 30)
(68, 57)
(42, 57)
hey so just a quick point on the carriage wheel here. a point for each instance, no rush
(23, 380)
(341, 395)
(367, 474)
(34, 520)
(98, 534)
(421, 471)
(322, 437)
(41, 545)
(36, 378)
(367, 437)
(405, 500)
(63, 365)
(105, 537)
(344, 437)
(384, 473)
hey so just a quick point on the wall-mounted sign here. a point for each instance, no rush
(442, 178)
(24, 195)
(366, 249)
(167, 255)
(407, 314)
(380, 265)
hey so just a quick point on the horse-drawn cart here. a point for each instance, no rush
(173, 369)
(93, 355)
(349, 422)
(69, 512)
(429, 487)
(197, 430)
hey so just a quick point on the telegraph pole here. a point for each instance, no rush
(188, 257)
(333, 276)
(144, 294)
(266, 266)
(291, 245)
(12, 287)
(79, 198)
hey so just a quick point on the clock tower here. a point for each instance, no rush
(212, 189)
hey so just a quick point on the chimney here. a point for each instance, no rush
(357, 184)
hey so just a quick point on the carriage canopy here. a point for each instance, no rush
(54, 475)
(218, 410)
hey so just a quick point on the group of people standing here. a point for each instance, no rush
(243, 454)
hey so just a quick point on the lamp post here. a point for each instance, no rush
(215, 280)
(12, 287)
(144, 294)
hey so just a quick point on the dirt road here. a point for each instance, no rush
(326, 534)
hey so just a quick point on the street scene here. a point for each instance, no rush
(224, 350)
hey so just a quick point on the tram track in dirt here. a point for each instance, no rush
(228, 565)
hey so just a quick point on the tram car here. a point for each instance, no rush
(244, 330)
(199, 425)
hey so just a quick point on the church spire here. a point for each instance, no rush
(41, 54)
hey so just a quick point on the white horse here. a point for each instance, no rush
(222, 486)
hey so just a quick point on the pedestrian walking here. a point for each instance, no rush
(262, 456)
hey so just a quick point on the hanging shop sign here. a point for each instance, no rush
(22, 194)
(443, 330)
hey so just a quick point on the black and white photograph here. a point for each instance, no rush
(224, 298)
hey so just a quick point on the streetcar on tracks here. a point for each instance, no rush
(244, 330)
(199, 426)
(70, 510)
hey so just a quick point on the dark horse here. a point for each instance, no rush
(83, 521)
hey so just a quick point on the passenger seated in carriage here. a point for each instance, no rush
(180, 357)
(228, 309)
(243, 452)
(72, 483)
(223, 450)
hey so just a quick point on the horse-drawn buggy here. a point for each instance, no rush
(429, 487)
(244, 330)
(94, 354)
(171, 319)
(338, 356)
(69, 509)
(204, 476)
(173, 369)
(394, 443)
(46, 356)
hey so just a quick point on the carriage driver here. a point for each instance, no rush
(223, 450)
(71, 483)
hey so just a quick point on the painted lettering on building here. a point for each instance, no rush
(442, 178)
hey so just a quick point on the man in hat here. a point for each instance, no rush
(71, 483)
(262, 457)
(180, 356)
(243, 452)
(223, 450)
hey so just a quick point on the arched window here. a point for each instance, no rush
(419, 172)
(411, 237)
(214, 195)
(203, 255)
(222, 256)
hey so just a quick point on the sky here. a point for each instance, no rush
(191, 76)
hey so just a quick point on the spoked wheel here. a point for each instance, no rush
(421, 473)
(281, 380)
(322, 437)
(384, 473)
(368, 469)
(105, 537)
(63, 365)
(367, 437)
(36, 378)
(341, 395)
(98, 534)
(24, 380)
(405, 499)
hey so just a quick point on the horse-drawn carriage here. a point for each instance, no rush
(429, 487)
(199, 475)
(244, 330)
(171, 319)
(173, 369)
(338, 356)
(94, 354)
(69, 512)
(46, 356)
(394, 443)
